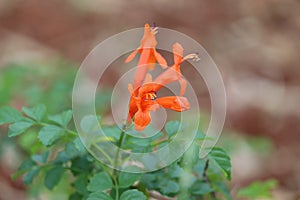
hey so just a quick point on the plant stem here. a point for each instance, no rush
(119, 144)
(115, 173)
(205, 178)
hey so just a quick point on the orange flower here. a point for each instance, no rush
(148, 55)
(140, 106)
(143, 95)
(173, 73)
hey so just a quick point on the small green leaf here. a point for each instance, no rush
(9, 115)
(258, 189)
(80, 184)
(26, 165)
(200, 188)
(62, 119)
(53, 176)
(75, 196)
(50, 134)
(222, 187)
(175, 171)
(90, 123)
(170, 187)
(222, 159)
(75, 148)
(191, 156)
(99, 195)
(41, 158)
(18, 128)
(29, 176)
(200, 136)
(37, 112)
(172, 127)
(81, 164)
(132, 195)
(100, 182)
(113, 131)
(128, 179)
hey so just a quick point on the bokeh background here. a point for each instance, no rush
(255, 44)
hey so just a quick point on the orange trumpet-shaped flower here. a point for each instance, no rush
(143, 99)
(141, 106)
(141, 103)
(173, 73)
(148, 55)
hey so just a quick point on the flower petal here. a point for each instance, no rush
(132, 55)
(177, 103)
(160, 59)
(141, 120)
(178, 53)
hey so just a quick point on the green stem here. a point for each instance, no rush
(104, 153)
(115, 173)
(119, 144)
(116, 187)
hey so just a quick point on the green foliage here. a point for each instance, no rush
(9, 115)
(19, 127)
(100, 182)
(53, 176)
(258, 190)
(49, 134)
(172, 127)
(201, 187)
(128, 179)
(132, 195)
(222, 159)
(56, 150)
(99, 195)
(62, 119)
(36, 113)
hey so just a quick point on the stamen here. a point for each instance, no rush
(193, 57)
(150, 96)
(155, 30)
(130, 88)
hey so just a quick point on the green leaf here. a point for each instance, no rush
(200, 188)
(62, 119)
(258, 189)
(100, 182)
(113, 132)
(222, 187)
(191, 156)
(50, 134)
(53, 176)
(37, 112)
(128, 179)
(41, 158)
(24, 167)
(172, 127)
(132, 195)
(29, 176)
(81, 164)
(200, 136)
(75, 148)
(171, 187)
(80, 183)
(75, 196)
(175, 171)
(222, 159)
(90, 123)
(99, 195)
(9, 115)
(18, 128)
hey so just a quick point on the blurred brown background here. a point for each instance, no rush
(255, 43)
